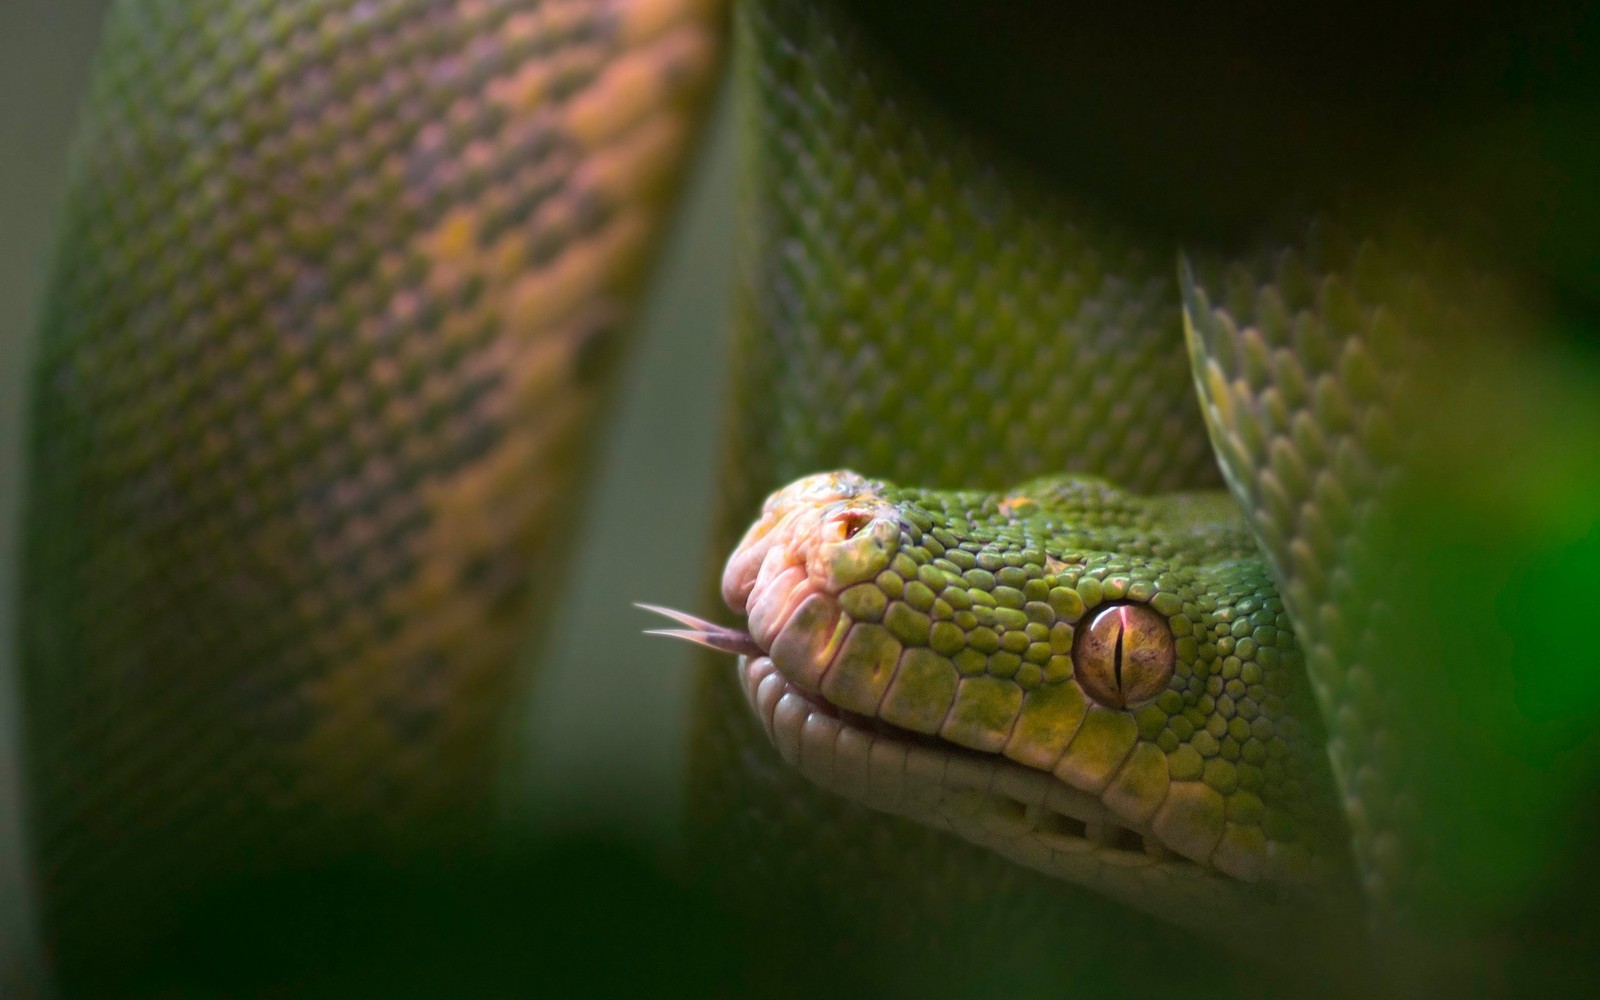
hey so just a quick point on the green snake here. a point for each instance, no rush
(339, 295)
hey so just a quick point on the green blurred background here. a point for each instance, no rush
(606, 720)
(44, 60)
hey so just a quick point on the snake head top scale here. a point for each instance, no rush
(1100, 686)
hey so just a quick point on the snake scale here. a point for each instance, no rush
(339, 294)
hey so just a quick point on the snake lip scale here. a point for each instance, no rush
(961, 782)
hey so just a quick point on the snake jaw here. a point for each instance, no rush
(1018, 812)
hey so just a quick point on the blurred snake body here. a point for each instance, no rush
(336, 304)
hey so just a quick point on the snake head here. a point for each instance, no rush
(1098, 685)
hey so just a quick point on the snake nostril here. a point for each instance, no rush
(848, 523)
(854, 544)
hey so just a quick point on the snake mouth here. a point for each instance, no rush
(899, 771)
(1020, 813)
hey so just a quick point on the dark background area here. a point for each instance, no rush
(1202, 120)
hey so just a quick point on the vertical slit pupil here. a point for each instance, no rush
(1116, 657)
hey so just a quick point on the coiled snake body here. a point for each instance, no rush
(338, 296)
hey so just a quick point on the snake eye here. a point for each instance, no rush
(1124, 657)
